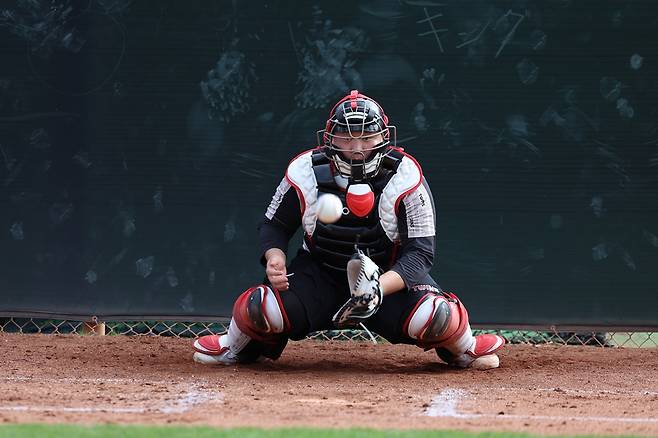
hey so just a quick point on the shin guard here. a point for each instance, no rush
(440, 321)
(259, 314)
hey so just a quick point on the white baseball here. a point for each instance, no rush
(330, 208)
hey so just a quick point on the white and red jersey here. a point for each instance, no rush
(398, 232)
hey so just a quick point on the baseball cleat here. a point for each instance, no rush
(210, 345)
(211, 351)
(225, 358)
(481, 355)
(486, 344)
(487, 362)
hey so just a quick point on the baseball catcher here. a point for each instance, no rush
(370, 265)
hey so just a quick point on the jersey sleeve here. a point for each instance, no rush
(282, 219)
(417, 228)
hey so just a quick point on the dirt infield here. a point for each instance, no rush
(151, 380)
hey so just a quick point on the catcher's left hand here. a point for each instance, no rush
(367, 294)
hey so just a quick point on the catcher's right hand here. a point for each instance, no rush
(276, 270)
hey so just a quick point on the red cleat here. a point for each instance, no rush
(210, 351)
(481, 356)
(209, 345)
(486, 344)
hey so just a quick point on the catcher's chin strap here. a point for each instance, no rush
(366, 292)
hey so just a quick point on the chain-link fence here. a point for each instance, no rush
(194, 329)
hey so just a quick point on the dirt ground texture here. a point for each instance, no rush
(152, 380)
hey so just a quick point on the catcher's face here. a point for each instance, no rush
(357, 145)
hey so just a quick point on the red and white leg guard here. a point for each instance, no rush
(257, 315)
(441, 322)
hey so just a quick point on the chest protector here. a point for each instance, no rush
(376, 234)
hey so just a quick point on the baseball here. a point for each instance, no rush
(330, 208)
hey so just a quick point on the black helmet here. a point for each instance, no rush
(359, 116)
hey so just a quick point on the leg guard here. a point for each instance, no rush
(234, 347)
(255, 330)
(440, 321)
(259, 314)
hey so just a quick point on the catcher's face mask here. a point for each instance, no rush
(356, 136)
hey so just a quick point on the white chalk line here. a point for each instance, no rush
(83, 380)
(191, 399)
(572, 391)
(445, 404)
(332, 401)
(194, 396)
(111, 410)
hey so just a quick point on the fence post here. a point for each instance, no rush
(93, 327)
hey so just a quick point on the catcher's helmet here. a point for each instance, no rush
(358, 116)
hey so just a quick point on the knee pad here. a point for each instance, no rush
(259, 314)
(440, 321)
